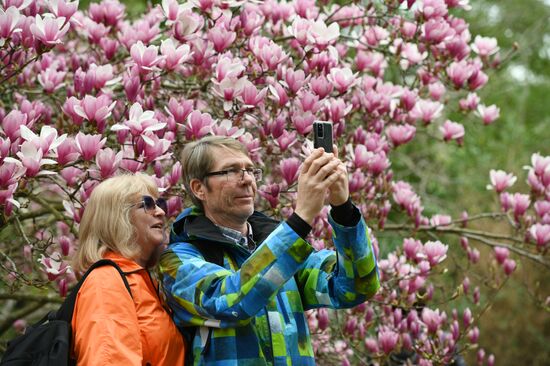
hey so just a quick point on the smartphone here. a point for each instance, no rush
(322, 135)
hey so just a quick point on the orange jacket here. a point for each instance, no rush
(109, 328)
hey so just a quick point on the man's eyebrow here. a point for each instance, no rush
(236, 166)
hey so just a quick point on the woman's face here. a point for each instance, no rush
(149, 230)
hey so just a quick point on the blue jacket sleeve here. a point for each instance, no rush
(340, 278)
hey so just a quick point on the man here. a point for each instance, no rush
(243, 279)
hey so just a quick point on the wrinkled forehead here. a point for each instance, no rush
(224, 157)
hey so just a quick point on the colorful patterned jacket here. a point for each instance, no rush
(251, 310)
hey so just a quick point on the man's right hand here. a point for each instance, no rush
(319, 171)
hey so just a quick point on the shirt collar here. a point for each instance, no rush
(238, 238)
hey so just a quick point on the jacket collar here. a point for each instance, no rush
(192, 225)
(125, 264)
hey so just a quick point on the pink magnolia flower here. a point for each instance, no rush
(437, 30)
(108, 162)
(10, 172)
(430, 9)
(321, 86)
(290, 169)
(500, 180)
(440, 220)
(540, 234)
(5, 146)
(509, 266)
(342, 78)
(433, 319)
(303, 122)
(51, 80)
(436, 90)
(337, 109)
(541, 164)
(187, 25)
(519, 204)
(250, 96)
(62, 8)
(95, 109)
(295, 79)
(198, 125)
(435, 252)
(174, 56)
(267, 52)
(405, 197)
(286, 139)
(8, 23)
(374, 62)
(221, 38)
(323, 318)
(387, 340)
(46, 141)
(49, 30)
(89, 145)
(229, 67)
(501, 254)
(488, 114)
(299, 30)
(485, 46)
(95, 31)
(400, 134)
(321, 36)
(270, 192)
(32, 159)
(542, 208)
(12, 122)
(151, 147)
(229, 89)
(426, 110)
(67, 152)
(371, 345)
(452, 131)
(467, 317)
(71, 175)
(469, 103)
(171, 9)
(68, 109)
(54, 266)
(226, 128)
(412, 248)
(377, 163)
(459, 72)
(146, 58)
(108, 12)
(179, 109)
(279, 94)
(140, 122)
(411, 55)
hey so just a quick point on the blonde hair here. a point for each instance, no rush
(106, 224)
(197, 159)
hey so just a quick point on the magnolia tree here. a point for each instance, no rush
(88, 94)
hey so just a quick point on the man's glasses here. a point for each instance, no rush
(149, 204)
(237, 174)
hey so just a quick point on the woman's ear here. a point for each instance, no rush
(198, 189)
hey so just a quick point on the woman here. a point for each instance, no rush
(123, 221)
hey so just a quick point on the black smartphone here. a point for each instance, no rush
(322, 135)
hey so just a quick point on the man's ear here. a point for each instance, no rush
(198, 189)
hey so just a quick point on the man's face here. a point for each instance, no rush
(228, 200)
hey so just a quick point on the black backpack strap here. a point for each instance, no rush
(66, 310)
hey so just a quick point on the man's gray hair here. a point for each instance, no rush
(197, 159)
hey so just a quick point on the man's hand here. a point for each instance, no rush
(339, 191)
(319, 172)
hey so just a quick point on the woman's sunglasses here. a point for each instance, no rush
(149, 204)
